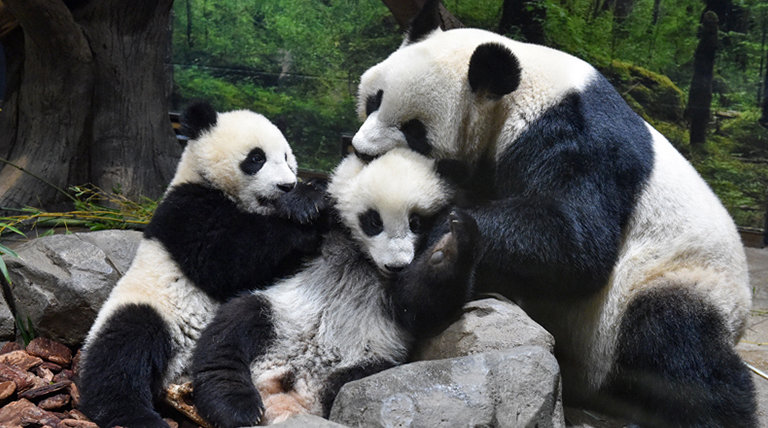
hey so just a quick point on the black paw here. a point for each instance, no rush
(436, 285)
(456, 248)
(227, 400)
(304, 204)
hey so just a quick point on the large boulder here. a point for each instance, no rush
(7, 330)
(513, 388)
(489, 324)
(61, 281)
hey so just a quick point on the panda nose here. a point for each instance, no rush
(286, 187)
(394, 268)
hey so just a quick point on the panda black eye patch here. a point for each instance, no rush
(370, 222)
(373, 102)
(416, 136)
(253, 162)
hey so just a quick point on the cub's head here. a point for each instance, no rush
(388, 204)
(240, 153)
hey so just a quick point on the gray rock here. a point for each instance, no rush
(7, 331)
(488, 324)
(61, 281)
(304, 421)
(513, 388)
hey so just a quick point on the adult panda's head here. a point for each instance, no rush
(240, 153)
(451, 94)
(388, 204)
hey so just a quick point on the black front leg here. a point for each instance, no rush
(306, 203)
(224, 393)
(439, 281)
(123, 367)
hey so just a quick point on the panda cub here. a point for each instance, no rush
(395, 268)
(233, 219)
(589, 219)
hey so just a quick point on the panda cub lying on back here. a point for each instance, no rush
(395, 267)
(233, 219)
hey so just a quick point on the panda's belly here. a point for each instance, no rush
(155, 280)
(679, 235)
(318, 332)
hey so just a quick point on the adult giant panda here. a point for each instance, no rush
(394, 267)
(589, 219)
(233, 219)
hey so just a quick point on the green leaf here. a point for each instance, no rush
(4, 271)
(6, 250)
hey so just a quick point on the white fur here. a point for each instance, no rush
(154, 279)
(216, 155)
(679, 234)
(334, 314)
(427, 81)
(670, 242)
(213, 159)
(395, 188)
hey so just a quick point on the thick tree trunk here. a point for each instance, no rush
(43, 122)
(88, 103)
(700, 97)
(527, 15)
(133, 144)
(405, 10)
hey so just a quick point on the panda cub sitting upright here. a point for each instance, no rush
(233, 219)
(588, 217)
(395, 268)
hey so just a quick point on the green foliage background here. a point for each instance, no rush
(298, 63)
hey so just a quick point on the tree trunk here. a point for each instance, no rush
(764, 117)
(700, 97)
(652, 28)
(405, 10)
(87, 101)
(527, 15)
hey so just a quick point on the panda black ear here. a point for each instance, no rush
(493, 70)
(197, 118)
(426, 21)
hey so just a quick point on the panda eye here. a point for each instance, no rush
(253, 162)
(414, 223)
(370, 222)
(373, 102)
(416, 136)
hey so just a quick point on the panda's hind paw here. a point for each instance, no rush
(457, 245)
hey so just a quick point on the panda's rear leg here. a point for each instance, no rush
(123, 368)
(439, 280)
(676, 366)
(224, 393)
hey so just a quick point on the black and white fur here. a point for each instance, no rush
(386, 275)
(589, 219)
(233, 219)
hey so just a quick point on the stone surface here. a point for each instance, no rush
(303, 421)
(489, 324)
(61, 281)
(512, 388)
(753, 346)
(7, 323)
